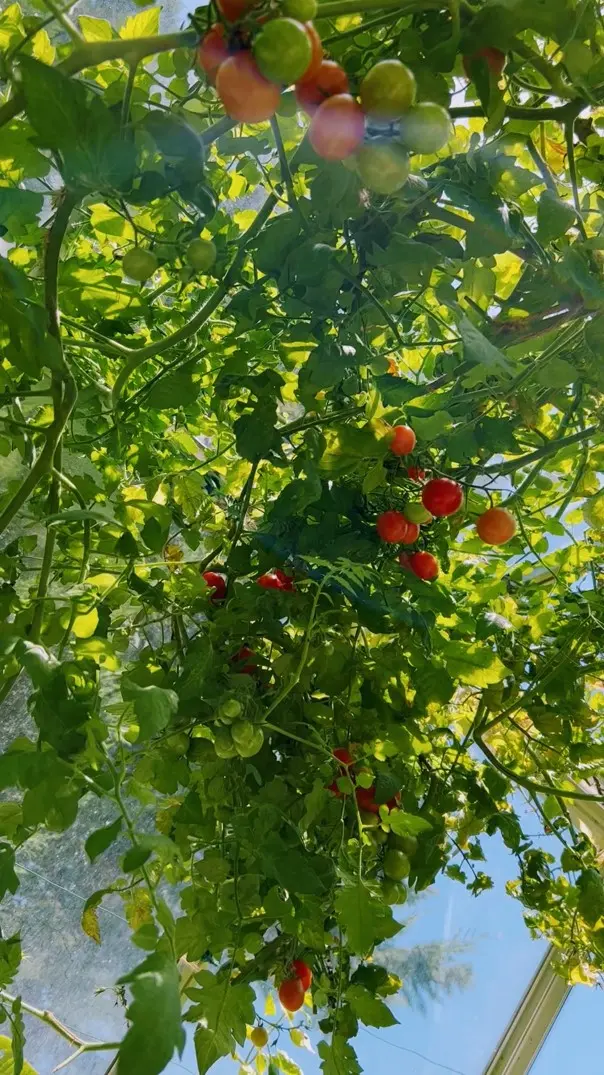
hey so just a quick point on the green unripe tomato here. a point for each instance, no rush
(408, 844)
(259, 1037)
(230, 709)
(283, 51)
(139, 264)
(242, 731)
(415, 512)
(382, 167)
(388, 90)
(304, 10)
(393, 892)
(251, 745)
(396, 865)
(426, 128)
(201, 254)
(223, 743)
(178, 743)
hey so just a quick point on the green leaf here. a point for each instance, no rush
(554, 217)
(369, 1009)
(9, 882)
(101, 839)
(224, 1011)
(478, 349)
(177, 390)
(95, 29)
(156, 1029)
(557, 373)
(154, 707)
(473, 664)
(10, 959)
(338, 1057)
(8, 1060)
(363, 917)
(145, 24)
(286, 1064)
(56, 106)
(90, 924)
(407, 824)
(591, 896)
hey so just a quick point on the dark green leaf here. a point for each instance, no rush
(100, 840)
(156, 1029)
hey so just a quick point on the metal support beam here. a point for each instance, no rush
(531, 1022)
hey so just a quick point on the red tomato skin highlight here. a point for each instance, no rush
(442, 496)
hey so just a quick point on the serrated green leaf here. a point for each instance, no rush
(224, 1011)
(369, 1009)
(156, 1030)
(101, 839)
(363, 917)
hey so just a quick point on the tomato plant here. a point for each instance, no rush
(233, 260)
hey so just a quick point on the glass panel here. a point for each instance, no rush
(575, 1040)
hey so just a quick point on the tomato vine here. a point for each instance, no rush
(300, 449)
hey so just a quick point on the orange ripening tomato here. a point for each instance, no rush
(217, 583)
(213, 50)
(316, 52)
(496, 526)
(403, 440)
(329, 80)
(412, 533)
(291, 994)
(246, 95)
(495, 59)
(337, 127)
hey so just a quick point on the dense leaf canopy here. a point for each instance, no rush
(193, 466)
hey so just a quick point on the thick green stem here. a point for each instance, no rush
(357, 7)
(533, 785)
(245, 503)
(551, 448)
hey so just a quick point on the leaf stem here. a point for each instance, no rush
(51, 1020)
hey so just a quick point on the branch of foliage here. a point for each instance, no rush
(532, 785)
(51, 1020)
(64, 388)
(551, 448)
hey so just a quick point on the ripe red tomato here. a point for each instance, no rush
(412, 533)
(246, 95)
(403, 440)
(442, 496)
(424, 565)
(213, 50)
(496, 526)
(316, 52)
(329, 80)
(416, 474)
(343, 755)
(303, 973)
(233, 10)
(334, 789)
(275, 580)
(494, 57)
(392, 526)
(242, 655)
(291, 994)
(365, 798)
(217, 583)
(287, 582)
(337, 127)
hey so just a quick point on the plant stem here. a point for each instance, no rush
(56, 1024)
(284, 165)
(532, 785)
(245, 503)
(569, 132)
(127, 100)
(550, 448)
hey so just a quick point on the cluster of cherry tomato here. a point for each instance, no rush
(293, 988)
(440, 497)
(250, 61)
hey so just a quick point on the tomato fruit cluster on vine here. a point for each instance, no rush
(252, 58)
